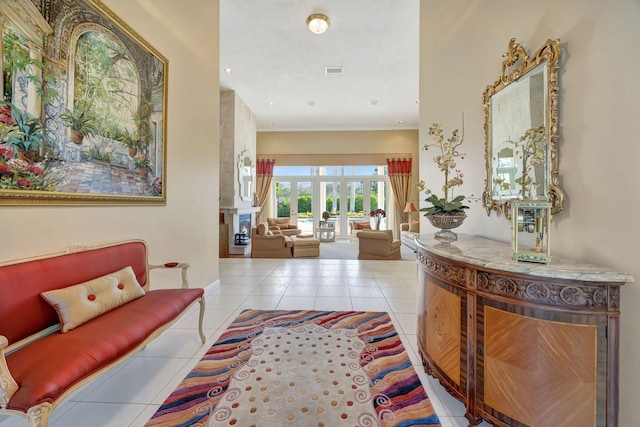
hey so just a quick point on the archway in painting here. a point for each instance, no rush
(105, 86)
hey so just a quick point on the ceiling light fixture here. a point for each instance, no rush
(318, 23)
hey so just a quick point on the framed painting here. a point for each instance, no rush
(83, 109)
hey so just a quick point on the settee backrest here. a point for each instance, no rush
(376, 235)
(285, 220)
(23, 312)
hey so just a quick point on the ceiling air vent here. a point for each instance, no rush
(333, 70)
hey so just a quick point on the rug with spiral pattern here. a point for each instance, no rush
(302, 368)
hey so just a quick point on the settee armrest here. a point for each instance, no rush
(275, 229)
(8, 385)
(182, 265)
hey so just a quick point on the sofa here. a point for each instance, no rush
(378, 244)
(355, 226)
(285, 226)
(69, 317)
(270, 242)
(408, 232)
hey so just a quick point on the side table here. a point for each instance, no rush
(325, 234)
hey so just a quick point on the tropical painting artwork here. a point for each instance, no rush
(83, 108)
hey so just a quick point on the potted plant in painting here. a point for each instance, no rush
(26, 135)
(142, 164)
(446, 212)
(129, 140)
(81, 122)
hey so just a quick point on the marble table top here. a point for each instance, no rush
(483, 252)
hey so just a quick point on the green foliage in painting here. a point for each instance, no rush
(106, 82)
(16, 59)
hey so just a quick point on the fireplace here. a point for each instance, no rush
(239, 222)
(244, 227)
(244, 223)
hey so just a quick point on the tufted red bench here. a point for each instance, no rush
(39, 364)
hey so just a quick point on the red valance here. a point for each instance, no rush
(265, 167)
(399, 166)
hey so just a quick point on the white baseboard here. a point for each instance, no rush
(211, 289)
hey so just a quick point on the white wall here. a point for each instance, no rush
(461, 47)
(185, 32)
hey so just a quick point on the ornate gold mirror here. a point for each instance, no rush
(521, 130)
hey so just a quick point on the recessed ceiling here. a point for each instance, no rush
(277, 65)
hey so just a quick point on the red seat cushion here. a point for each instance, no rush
(48, 367)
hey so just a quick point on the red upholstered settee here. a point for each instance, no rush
(39, 364)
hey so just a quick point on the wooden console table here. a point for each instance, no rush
(521, 344)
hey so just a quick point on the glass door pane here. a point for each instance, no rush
(304, 205)
(378, 200)
(330, 202)
(283, 199)
(356, 201)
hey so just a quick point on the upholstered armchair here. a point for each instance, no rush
(378, 244)
(285, 226)
(266, 243)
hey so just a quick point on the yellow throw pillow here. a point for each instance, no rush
(414, 226)
(80, 303)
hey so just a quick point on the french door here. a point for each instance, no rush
(294, 199)
(346, 199)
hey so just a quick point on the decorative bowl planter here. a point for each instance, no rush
(445, 222)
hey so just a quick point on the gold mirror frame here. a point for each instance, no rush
(548, 54)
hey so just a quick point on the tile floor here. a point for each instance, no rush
(130, 394)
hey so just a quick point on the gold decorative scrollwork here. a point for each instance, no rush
(514, 53)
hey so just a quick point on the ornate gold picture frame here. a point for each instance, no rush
(83, 109)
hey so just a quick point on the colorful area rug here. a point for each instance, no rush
(302, 368)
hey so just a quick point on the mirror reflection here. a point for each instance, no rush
(521, 124)
(245, 176)
(517, 137)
